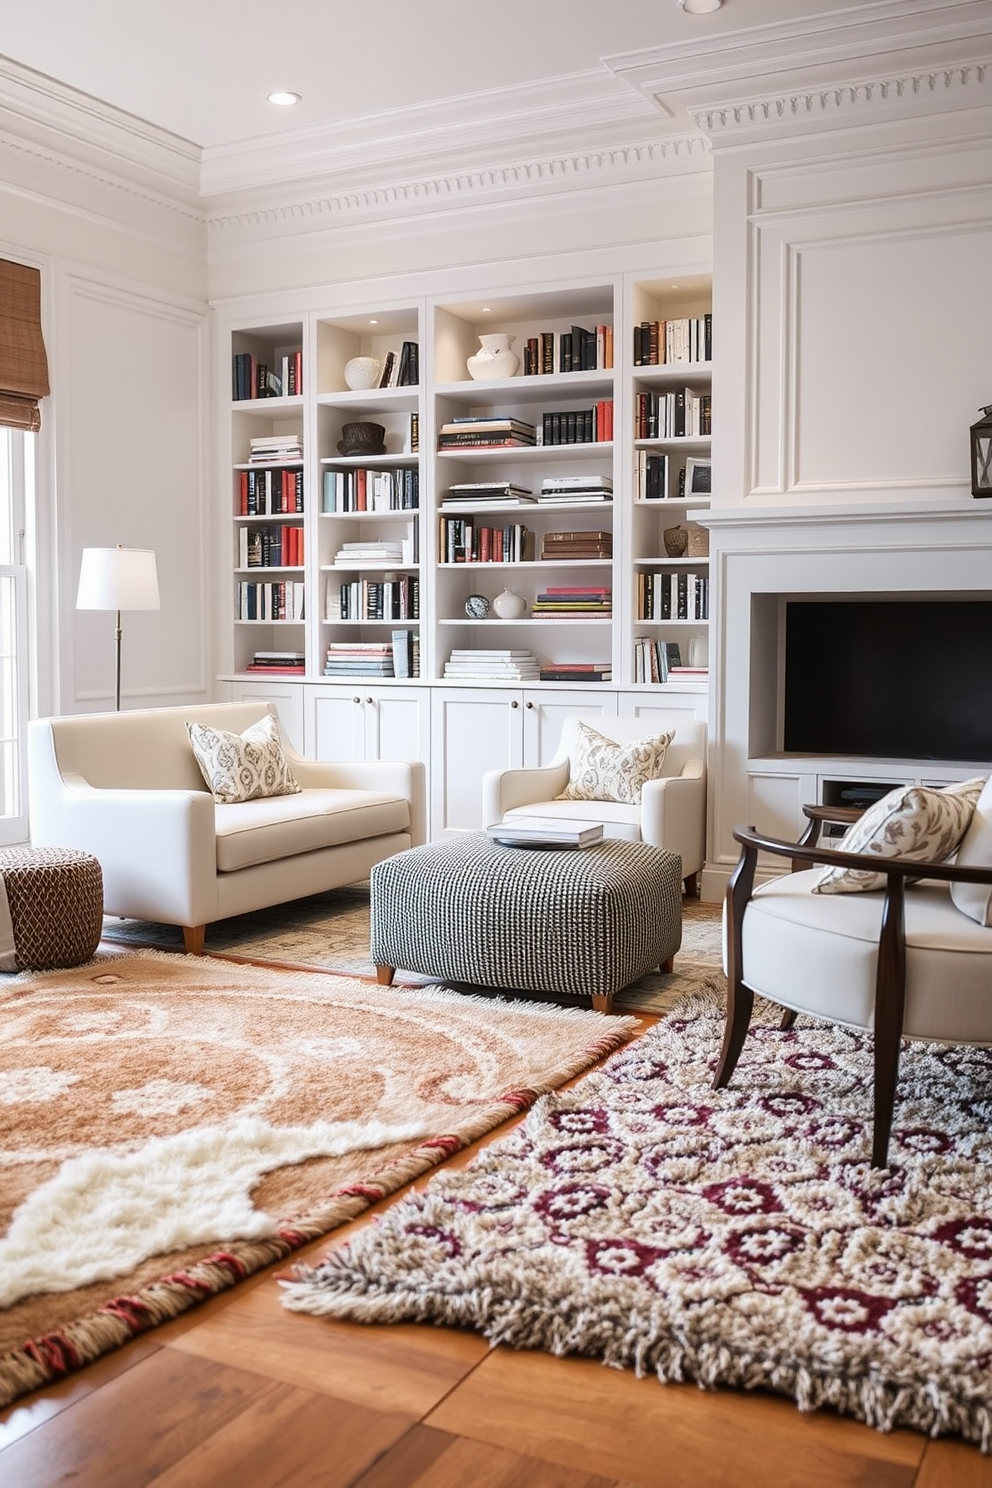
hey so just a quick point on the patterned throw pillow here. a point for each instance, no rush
(601, 770)
(243, 767)
(914, 821)
(975, 851)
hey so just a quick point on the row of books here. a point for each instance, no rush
(397, 657)
(492, 666)
(577, 350)
(653, 660)
(463, 541)
(393, 597)
(360, 489)
(686, 339)
(282, 377)
(580, 544)
(275, 448)
(291, 663)
(673, 596)
(402, 370)
(579, 426)
(270, 492)
(679, 414)
(479, 431)
(270, 547)
(282, 599)
(570, 600)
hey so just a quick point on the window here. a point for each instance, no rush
(17, 452)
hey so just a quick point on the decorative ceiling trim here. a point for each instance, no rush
(876, 94)
(590, 168)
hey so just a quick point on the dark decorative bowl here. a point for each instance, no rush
(362, 439)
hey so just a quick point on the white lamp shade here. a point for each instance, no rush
(117, 579)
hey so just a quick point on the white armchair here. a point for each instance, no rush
(672, 809)
(126, 788)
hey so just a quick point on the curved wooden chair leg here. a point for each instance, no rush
(890, 998)
(740, 998)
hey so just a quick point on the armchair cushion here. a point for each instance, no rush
(914, 821)
(602, 770)
(973, 899)
(243, 767)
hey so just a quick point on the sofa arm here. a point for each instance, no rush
(506, 790)
(157, 849)
(673, 816)
(405, 778)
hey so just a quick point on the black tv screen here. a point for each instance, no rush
(894, 679)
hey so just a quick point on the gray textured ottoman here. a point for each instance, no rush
(468, 909)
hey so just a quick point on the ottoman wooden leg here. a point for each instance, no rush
(669, 965)
(602, 1002)
(384, 975)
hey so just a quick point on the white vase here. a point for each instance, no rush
(362, 372)
(509, 605)
(494, 357)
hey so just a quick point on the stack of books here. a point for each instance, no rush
(546, 831)
(577, 671)
(486, 432)
(467, 495)
(293, 662)
(653, 660)
(591, 601)
(577, 488)
(379, 554)
(577, 545)
(504, 666)
(359, 659)
(266, 448)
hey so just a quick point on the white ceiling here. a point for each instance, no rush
(201, 69)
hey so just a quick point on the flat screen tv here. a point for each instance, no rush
(894, 679)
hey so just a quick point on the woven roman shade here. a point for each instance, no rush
(23, 363)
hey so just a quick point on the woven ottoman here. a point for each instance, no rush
(585, 923)
(51, 907)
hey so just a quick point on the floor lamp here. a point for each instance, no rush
(118, 579)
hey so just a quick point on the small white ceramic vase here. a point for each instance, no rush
(494, 357)
(509, 605)
(362, 372)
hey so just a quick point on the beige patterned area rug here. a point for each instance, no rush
(735, 1237)
(332, 931)
(169, 1124)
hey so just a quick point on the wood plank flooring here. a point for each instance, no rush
(241, 1393)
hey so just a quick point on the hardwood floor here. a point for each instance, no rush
(241, 1393)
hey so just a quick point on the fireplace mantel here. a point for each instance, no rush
(759, 558)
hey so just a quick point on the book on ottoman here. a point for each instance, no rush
(546, 831)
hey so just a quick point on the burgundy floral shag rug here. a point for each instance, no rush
(734, 1237)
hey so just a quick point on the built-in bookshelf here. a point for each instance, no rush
(671, 351)
(546, 511)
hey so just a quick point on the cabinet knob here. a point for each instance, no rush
(514, 703)
(370, 700)
(356, 700)
(528, 705)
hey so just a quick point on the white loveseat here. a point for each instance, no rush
(126, 787)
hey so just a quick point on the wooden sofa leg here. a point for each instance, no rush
(384, 975)
(193, 937)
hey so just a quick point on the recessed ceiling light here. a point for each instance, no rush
(700, 7)
(487, 309)
(373, 321)
(285, 100)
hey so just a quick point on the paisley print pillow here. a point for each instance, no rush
(243, 767)
(917, 822)
(601, 770)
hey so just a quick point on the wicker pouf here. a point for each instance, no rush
(586, 923)
(53, 897)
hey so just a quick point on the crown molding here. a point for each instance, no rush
(487, 126)
(889, 57)
(277, 214)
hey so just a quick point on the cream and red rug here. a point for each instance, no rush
(734, 1237)
(169, 1124)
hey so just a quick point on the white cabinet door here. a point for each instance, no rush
(472, 731)
(397, 723)
(545, 712)
(336, 725)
